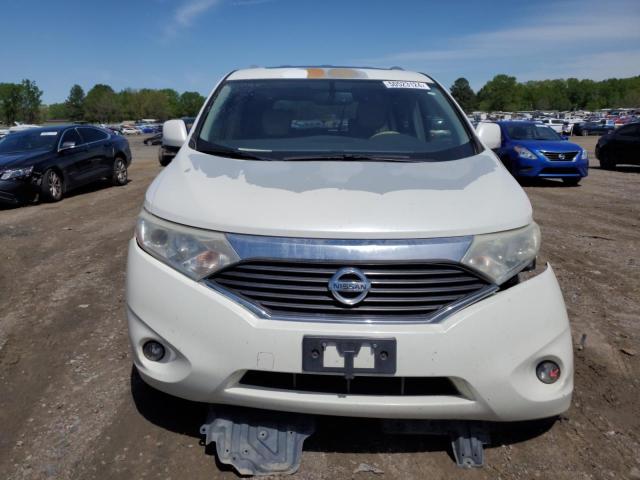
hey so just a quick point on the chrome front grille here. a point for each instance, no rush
(399, 291)
(560, 156)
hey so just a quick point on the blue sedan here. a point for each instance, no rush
(531, 149)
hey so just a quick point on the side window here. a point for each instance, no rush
(71, 136)
(92, 134)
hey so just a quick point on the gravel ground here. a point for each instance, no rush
(71, 407)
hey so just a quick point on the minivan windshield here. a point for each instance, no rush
(316, 119)
(531, 131)
(29, 140)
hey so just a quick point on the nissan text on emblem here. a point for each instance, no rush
(349, 286)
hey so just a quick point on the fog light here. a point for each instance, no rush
(548, 372)
(153, 350)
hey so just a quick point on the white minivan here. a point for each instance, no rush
(339, 241)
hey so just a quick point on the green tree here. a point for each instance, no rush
(101, 104)
(501, 93)
(57, 111)
(155, 104)
(190, 104)
(126, 99)
(75, 103)
(30, 101)
(173, 100)
(10, 102)
(464, 94)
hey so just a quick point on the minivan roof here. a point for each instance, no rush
(329, 72)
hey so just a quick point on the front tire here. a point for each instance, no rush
(606, 163)
(51, 189)
(120, 173)
(572, 181)
(585, 133)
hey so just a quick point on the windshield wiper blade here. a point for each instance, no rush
(356, 157)
(231, 153)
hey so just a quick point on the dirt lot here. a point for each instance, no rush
(71, 408)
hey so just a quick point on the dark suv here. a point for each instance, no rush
(620, 146)
(49, 161)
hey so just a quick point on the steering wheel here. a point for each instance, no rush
(385, 132)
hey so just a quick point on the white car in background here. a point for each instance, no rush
(556, 124)
(19, 127)
(129, 130)
(369, 266)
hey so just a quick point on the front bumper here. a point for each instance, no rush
(15, 192)
(542, 167)
(489, 350)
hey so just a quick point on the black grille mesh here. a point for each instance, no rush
(566, 156)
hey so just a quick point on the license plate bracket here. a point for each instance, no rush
(380, 355)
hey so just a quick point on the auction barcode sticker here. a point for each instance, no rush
(403, 84)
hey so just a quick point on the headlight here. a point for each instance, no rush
(501, 255)
(584, 155)
(524, 152)
(194, 252)
(16, 173)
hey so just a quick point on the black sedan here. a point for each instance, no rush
(47, 162)
(620, 146)
(592, 128)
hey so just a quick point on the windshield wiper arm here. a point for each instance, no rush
(356, 157)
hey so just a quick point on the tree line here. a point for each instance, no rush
(22, 102)
(505, 93)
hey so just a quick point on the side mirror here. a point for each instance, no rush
(67, 145)
(174, 133)
(489, 134)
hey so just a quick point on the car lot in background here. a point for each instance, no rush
(555, 124)
(599, 127)
(47, 162)
(620, 146)
(130, 130)
(533, 150)
(155, 139)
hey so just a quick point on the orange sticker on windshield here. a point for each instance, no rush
(315, 73)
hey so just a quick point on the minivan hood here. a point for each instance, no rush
(339, 199)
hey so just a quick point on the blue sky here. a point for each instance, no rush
(189, 44)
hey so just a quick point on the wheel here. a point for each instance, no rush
(119, 172)
(585, 133)
(52, 186)
(572, 181)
